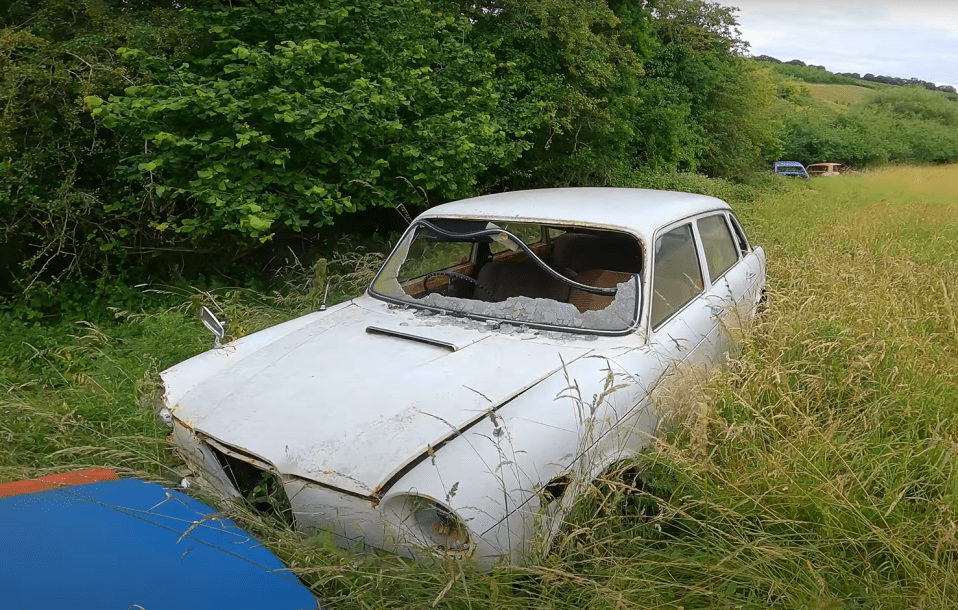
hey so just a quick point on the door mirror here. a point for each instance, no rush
(213, 325)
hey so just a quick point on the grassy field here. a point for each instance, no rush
(840, 94)
(821, 471)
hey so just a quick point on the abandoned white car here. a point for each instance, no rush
(511, 347)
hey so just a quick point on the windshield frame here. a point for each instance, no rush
(408, 236)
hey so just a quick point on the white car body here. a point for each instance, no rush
(403, 431)
(824, 169)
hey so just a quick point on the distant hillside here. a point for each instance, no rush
(839, 94)
(818, 74)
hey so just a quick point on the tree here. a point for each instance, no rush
(56, 163)
(705, 107)
(302, 110)
(579, 62)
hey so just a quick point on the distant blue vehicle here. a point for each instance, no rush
(90, 540)
(792, 169)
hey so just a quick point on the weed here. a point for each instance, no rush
(819, 471)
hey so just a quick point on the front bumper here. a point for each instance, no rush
(353, 523)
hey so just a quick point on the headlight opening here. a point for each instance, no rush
(162, 411)
(439, 525)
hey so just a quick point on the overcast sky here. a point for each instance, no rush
(904, 39)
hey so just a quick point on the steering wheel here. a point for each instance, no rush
(452, 275)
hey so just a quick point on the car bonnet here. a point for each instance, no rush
(350, 400)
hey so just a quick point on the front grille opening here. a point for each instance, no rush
(263, 490)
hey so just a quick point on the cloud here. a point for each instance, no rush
(903, 39)
(939, 16)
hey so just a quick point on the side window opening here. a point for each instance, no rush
(533, 235)
(720, 250)
(426, 256)
(676, 273)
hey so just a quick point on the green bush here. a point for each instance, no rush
(146, 139)
(57, 165)
(747, 188)
(814, 75)
(302, 113)
(902, 124)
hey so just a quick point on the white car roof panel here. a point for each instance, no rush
(639, 211)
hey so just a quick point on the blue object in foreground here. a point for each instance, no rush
(131, 544)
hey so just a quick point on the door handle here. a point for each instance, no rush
(718, 310)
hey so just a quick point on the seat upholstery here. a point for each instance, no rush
(524, 278)
(609, 251)
(600, 278)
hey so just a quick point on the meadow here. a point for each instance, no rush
(819, 471)
(840, 94)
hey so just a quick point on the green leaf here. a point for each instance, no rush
(93, 101)
(259, 224)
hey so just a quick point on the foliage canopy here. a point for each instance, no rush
(142, 137)
(300, 113)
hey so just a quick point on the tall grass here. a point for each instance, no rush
(840, 94)
(819, 471)
(814, 75)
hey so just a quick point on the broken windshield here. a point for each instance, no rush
(517, 272)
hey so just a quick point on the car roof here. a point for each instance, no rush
(639, 211)
(788, 164)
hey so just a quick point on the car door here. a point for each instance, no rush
(726, 281)
(748, 282)
(680, 320)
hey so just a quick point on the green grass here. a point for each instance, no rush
(819, 471)
(814, 75)
(840, 94)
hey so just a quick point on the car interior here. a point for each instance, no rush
(494, 271)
